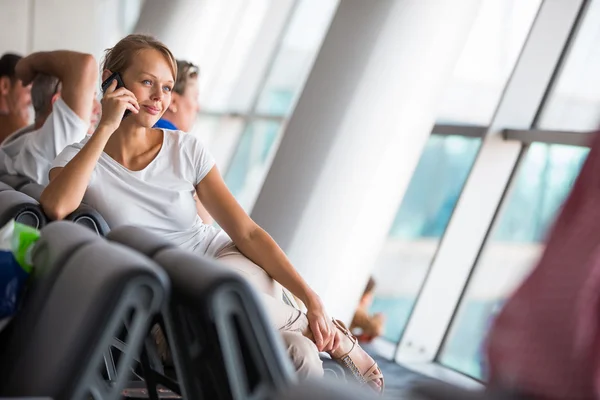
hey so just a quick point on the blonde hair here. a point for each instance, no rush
(119, 57)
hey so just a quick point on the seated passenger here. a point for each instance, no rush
(63, 99)
(183, 111)
(184, 107)
(134, 174)
(367, 327)
(15, 98)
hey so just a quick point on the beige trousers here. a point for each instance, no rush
(288, 320)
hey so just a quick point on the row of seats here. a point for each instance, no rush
(23, 206)
(87, 290)
(21, 202)
(91, 295)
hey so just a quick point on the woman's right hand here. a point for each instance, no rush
(114, 105)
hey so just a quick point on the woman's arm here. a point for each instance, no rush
(261, 249)
(67, 185)
(249, 238)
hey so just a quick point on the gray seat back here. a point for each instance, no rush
(83, 215)
(57, 243)
(22, 208)
(139, 239)
(215, 310)
(100, 286)
(90, 218)
(16, 181)
(222, 344)
(33, 190)
(5, 186)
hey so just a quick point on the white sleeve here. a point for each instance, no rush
(39, 148)
(202, 160)
(66, 155)
(62, 128)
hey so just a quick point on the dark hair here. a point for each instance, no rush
(185, 71)
(8, 62)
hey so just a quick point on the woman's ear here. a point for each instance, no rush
(105, 74)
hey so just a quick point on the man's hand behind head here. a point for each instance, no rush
(24, 71)
(77, 72)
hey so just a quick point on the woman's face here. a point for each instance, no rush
(187, 105)
(150, 79)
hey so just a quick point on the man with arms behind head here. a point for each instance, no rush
(63, 95)
(15, 98)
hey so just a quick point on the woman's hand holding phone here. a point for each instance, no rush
(114, 105)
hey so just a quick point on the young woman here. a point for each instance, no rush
(134, 174)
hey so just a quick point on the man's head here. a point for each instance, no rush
(184, 103)
(45, 89)
(14, 97)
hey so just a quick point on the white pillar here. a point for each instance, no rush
(356, 135)
(15, 25)
(224, 37)
(89, 27)
(76, 25)
(174, 22)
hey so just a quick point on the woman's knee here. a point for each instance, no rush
(304, 355)
(252, 273)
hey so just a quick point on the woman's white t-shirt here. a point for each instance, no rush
(159, 197)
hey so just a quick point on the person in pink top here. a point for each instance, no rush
(545, 343)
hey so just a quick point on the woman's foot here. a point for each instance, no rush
(355, 359)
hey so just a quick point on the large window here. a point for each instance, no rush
(543, 181)
(487, 60)
(471, 99)
(575, 101)
(293, 61)
(247, 169)
(419, 225)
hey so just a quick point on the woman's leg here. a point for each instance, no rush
(283, 317)
(304, 355)
(286, 318)
(289, 321)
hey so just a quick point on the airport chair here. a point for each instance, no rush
(82, 290)
(222, 344)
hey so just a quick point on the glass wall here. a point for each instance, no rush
(418, 227)
(248, 167)
(543, 181)
(575, 101)
(283, 84)
(541, 184)
(473, 94)
(487, 60)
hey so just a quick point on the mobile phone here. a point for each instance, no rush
(115, 76)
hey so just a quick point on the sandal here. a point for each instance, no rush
(373, 373)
